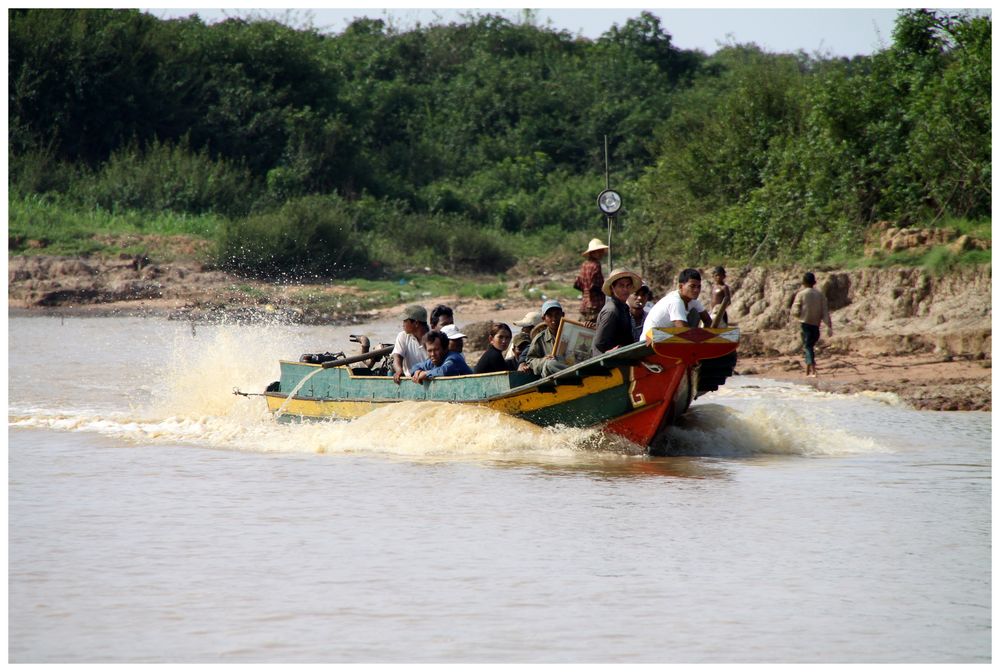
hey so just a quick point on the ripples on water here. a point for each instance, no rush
(788, 525)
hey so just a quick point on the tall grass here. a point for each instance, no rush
(43, 225)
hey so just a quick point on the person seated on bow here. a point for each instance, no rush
(440, 363)
(541, 359)
(493, 359)
(679, 308)
(614, 322)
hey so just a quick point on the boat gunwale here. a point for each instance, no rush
(607, 361)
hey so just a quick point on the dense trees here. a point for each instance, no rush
(475, 131)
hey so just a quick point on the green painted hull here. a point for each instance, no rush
(633, 391)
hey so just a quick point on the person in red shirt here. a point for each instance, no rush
(590, 281)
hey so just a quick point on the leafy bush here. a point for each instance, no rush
(165, 177)
(39, 171)
(442, 243)
(309, 236)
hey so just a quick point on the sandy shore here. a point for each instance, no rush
(923, 380)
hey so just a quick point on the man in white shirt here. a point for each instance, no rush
(681, 307)
(408, 351)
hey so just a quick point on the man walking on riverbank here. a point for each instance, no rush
(810, 307)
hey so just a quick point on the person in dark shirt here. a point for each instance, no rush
(637, 308)
(614, 322)
(493, 359)
(519, 349)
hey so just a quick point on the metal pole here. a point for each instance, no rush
(611, 221)
(607, 185)
(607, 177)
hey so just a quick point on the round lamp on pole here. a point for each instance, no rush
(609, 202)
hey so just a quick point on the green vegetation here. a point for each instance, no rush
(466, 147)
(364, 294)
(37, 224)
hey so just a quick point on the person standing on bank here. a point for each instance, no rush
(614, 322)
(679, 308)
(721, 293)
(810, 307)
(590, 282)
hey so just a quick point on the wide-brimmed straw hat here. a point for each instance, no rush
(618, 274)
(530, 319)
(595, 246)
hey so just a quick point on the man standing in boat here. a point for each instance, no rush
(614, 323)
(810, 307)
(540, 358)
(681, 307)
(408, 350)
(590, 282)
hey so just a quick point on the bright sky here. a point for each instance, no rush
(838, 31)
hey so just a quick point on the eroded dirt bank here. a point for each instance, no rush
(926, 339)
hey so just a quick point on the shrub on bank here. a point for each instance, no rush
(165, 177)
(312, 236)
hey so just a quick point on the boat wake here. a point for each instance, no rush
(410, 429)
(713, 430)
(441, 430)
(190, 402)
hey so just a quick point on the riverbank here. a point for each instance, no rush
(927, 341)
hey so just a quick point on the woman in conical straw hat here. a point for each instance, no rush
(590, 281)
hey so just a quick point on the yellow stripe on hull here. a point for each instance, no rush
(513, 405)
(533, 401)
(317, 408)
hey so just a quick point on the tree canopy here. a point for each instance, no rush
(497, 126)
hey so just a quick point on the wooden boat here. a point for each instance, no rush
(636, 391)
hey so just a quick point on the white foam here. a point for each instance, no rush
(715, 430)
(189, 399)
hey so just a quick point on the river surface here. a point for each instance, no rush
(156, 517)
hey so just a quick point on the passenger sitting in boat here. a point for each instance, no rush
(441, 316)
(638, 308)
(441, 362)
(530, 320)
(614, 322)
(456, 339)
(407, 352)
(493, 359)
(540, 358)
(679, 308)
(519, 349)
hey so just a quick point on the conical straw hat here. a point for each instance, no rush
(595, 246)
